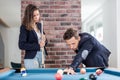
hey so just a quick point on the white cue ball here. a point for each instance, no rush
(60, 71)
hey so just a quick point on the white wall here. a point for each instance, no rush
(118, 32)
(110, 37)
(1, 50)
(10, 13)
(111, 19)
(112, 27)
(10, 40)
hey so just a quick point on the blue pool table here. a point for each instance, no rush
(49, 74)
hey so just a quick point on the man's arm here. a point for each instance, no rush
(79, 58)
(82, 54)
(77, 61)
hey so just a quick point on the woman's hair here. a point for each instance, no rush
(70, 33)
(28, 16)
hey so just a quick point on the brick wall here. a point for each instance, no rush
(58, 15)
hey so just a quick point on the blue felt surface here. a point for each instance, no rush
(49, 74)
(6, 74)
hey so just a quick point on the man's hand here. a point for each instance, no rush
(69, 71)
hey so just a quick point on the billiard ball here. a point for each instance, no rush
(23, 72)
(98, 71)
(83, 79)
(92, 77)
(82, 70)
(60, 71)
(58, 76)
(102, 68)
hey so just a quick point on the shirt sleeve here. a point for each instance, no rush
(82, 54)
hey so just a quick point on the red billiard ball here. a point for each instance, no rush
(98, 71)
(82, 70)
(58, 76)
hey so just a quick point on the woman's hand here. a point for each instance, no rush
(43, 37)
(42, 42)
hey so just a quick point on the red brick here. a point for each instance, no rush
(60, 3)
(66, 57)
(60, 53)
(50, 19)
(50, 62)
(52, 66)
(51, 53)
(55, 49)
(49, 11)
(60, 11)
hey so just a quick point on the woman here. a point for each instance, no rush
(30, 39)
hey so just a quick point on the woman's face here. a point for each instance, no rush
(36, 16)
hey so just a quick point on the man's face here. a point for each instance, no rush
(73, 43)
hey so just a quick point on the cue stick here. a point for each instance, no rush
(42, 48)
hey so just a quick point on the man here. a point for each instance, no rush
(89, 51)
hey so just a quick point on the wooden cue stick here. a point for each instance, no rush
(42, 39)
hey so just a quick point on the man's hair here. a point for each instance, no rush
(70, 33)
